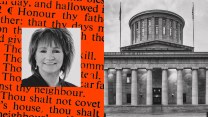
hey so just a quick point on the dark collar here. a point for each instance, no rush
(36, 80)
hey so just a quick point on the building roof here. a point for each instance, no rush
(156, 11)
(157, 45)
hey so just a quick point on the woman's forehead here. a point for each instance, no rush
(49, 44)
(49, 39)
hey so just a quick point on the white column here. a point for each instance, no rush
(106, 87)
(134, 99)
(111, 78)
(124, 97)
(179, 87)
(164, 87)
(194, 87)
(118, 87)
(149, 87)
(207, 85)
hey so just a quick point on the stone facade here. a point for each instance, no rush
(156, 69)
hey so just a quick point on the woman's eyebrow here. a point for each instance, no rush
(57, 47)
(41, 47)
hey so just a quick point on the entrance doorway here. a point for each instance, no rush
(128, 98)
(156, 95)
(184, 98)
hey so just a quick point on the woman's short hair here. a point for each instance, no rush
(61, 37)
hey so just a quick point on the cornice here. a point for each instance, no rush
(155, 55)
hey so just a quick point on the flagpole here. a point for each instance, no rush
(193, 21)
(120, 25)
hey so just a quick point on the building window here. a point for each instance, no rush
(136, 25)
(148, 27)
(171, 28)
(181, 34)
(157, 27)
(176, 31)
(132, 33)
(142, 29)
(164, 26)
(137, 33)
(128, 79)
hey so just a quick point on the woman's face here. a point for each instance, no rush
(49, 58)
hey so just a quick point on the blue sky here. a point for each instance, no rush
(132, 7)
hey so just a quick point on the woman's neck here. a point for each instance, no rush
(52, 79)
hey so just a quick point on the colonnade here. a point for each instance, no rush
(149, 95)
(152, 28)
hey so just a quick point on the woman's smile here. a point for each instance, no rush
(49, 63)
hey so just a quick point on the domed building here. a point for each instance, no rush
(156, 68)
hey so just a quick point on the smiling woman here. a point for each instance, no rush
(48, 50)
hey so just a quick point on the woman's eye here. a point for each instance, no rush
(43, 51)
(56, 51)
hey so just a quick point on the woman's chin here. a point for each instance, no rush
(50, 70)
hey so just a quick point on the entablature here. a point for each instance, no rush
(189, 55)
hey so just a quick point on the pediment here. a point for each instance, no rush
(157, 45)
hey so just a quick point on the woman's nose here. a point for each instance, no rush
(49, 56)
